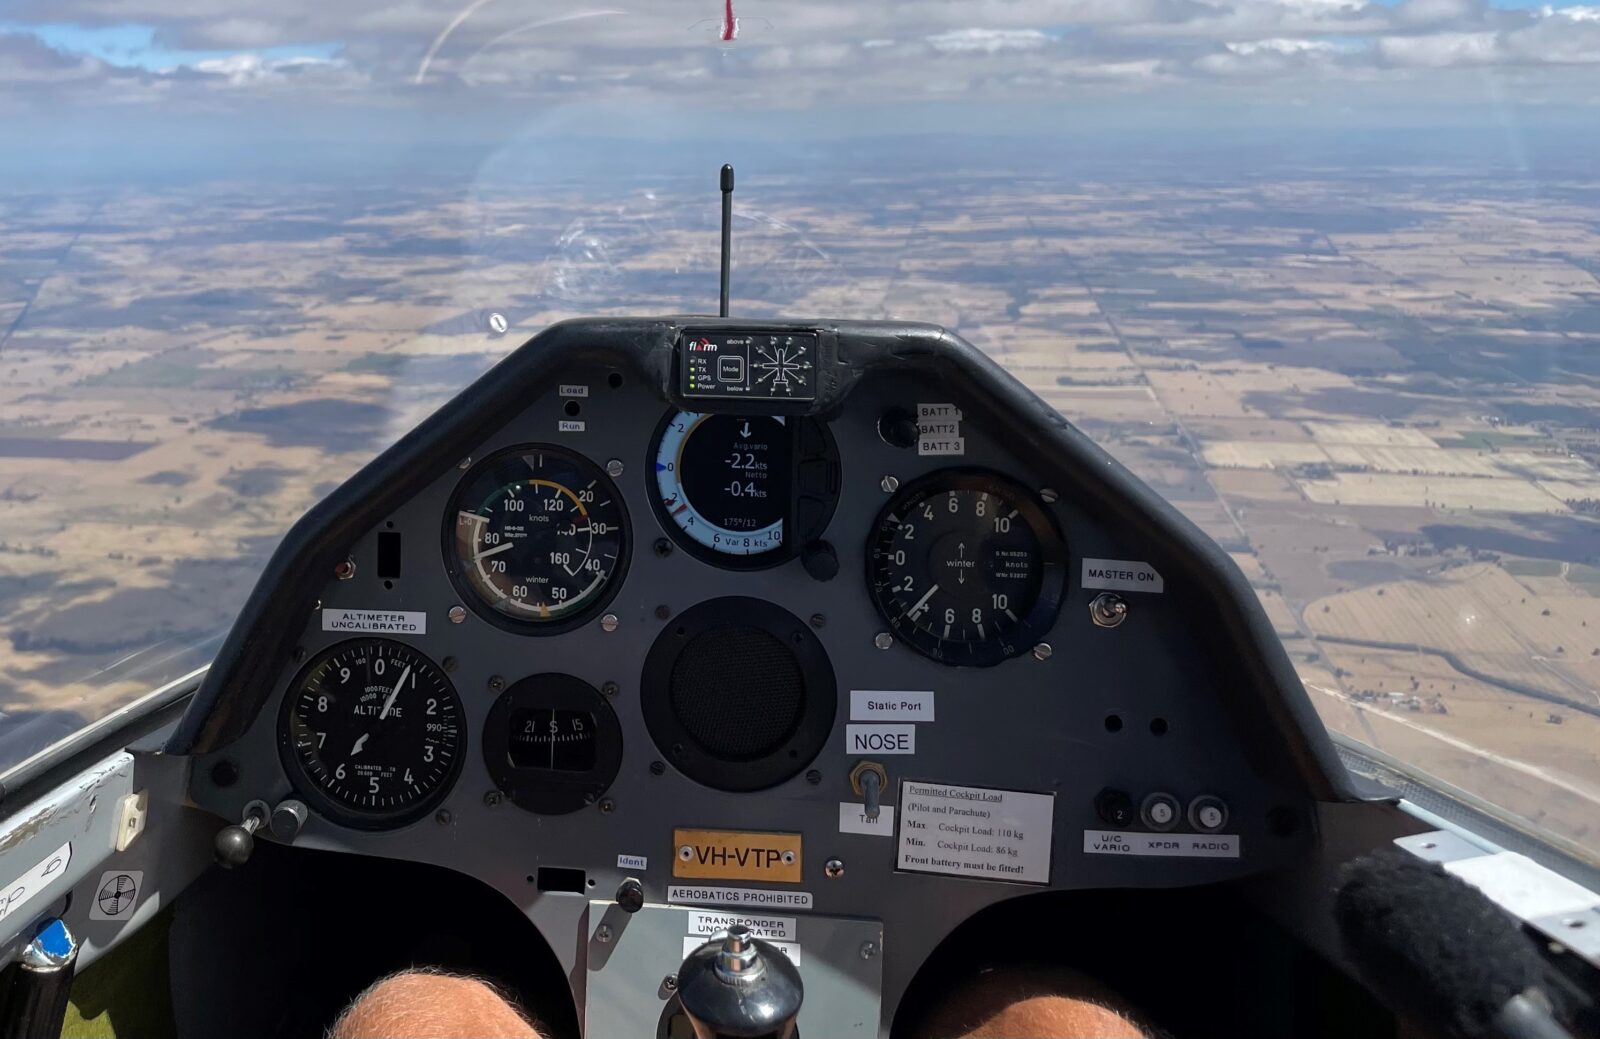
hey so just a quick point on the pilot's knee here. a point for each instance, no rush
(1055, 1017)
(420, 1004)
(1022, 1002)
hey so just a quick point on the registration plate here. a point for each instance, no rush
(736, 855)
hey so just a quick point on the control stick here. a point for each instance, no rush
(737, 986)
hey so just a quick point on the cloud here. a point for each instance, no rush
(26, 61)
(535, 53)
(987, 41)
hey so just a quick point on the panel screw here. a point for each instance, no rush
(614, 468)
(669, 983)
(299, 654)
(1042, 651)
(442, 817)
(457, 614)
(498, 324)
(890, 484)
(833, 869)
(465, 463)
(496, 683)
(818, 621)
(1108, 610)
(663, 612)
(1048, 495)
(493, 798)
(607, 806)
(883, 640)
(685, 853)
(609, 622)
(658, 768)
(602, 934)
(663, 547)
(449, 664)
(813, 777)
(610, 688)
(869, 950)
(345, 569)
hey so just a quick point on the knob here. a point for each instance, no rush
(820, 560)
(630, 895)
(898, 428)
(1208, 813)
(739, 987)
(1160, 811)
(287, 819)
(1115, 808)
(234, 844)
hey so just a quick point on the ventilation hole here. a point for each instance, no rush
(1113, 723)
(1158, 726)
(614, 380)
(572, 408)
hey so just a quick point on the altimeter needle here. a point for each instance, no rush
(388, 703)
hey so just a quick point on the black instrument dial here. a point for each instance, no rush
(743, 491)
(537, 538)
(372, 733)
(967, 567)
(552, 744)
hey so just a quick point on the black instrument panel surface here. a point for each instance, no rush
(1190, 696)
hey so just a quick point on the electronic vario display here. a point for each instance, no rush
(725, 481)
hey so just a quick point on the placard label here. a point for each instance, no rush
(891, 705)
(853, 819)
(392, 622)
(21, 891)
(1123, 575)
(973, 832)
(789, 949)
(880, 739)
(737, 855)
(717, 895)
(773, 928)
(1176, 845)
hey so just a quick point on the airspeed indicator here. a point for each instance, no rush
(536, 536)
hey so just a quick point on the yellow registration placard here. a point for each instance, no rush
(736, 855)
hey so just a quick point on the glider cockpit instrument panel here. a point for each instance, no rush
(828, 627)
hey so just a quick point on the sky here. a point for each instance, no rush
(175, 82)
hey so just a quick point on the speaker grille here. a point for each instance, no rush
(738, 692)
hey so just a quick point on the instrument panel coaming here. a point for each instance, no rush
(1024, 724)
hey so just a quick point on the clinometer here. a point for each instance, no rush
(743, 491)
(536, 538)
(967, 567)
(372, 733)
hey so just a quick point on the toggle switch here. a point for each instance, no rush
(867, 780)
